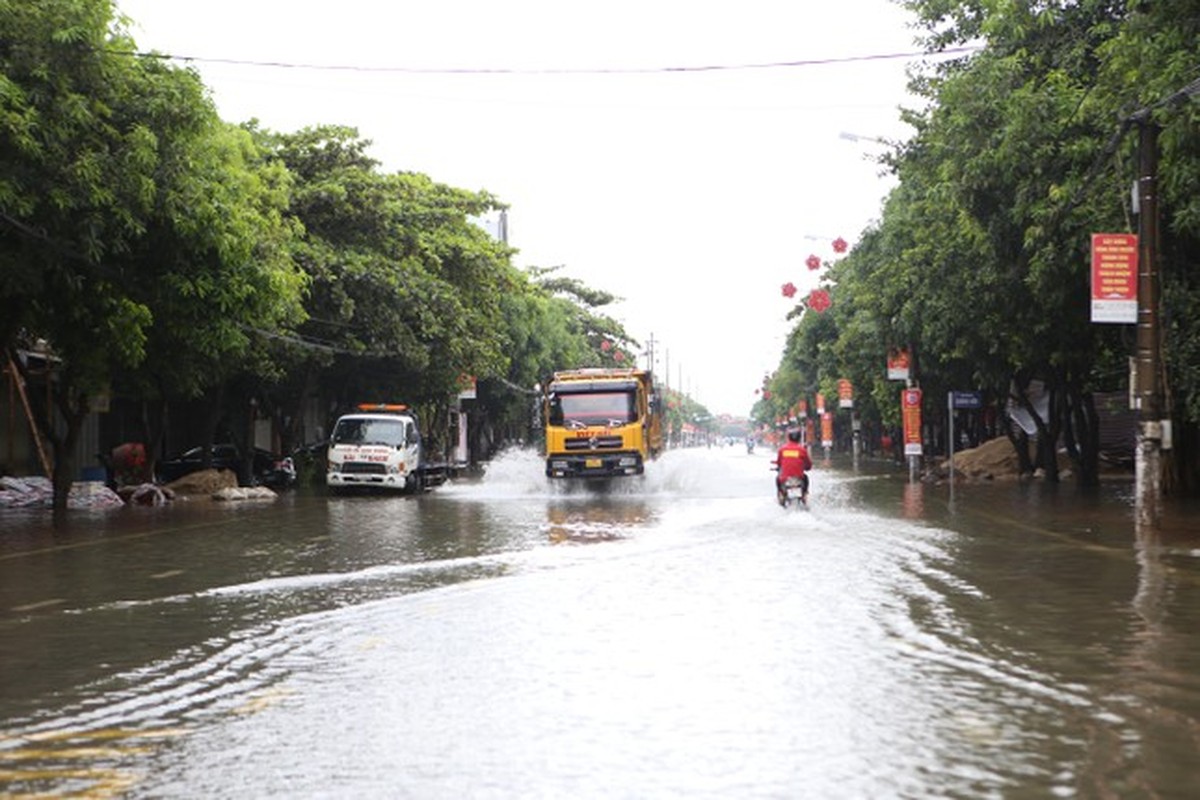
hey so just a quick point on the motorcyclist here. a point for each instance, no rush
(792, 461)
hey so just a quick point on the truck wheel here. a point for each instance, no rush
(415, 484)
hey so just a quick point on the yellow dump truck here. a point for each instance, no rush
(601, 423)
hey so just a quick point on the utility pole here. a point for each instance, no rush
(1153, 434)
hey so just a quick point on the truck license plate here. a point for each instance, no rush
(593, 463)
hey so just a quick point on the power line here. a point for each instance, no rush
(666, 70)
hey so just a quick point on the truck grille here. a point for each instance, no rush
(363, 468)
(595, 443)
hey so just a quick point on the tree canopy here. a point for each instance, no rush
(979, 263)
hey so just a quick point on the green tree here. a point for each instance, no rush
(1150, 63)
(124, 202)
(405, 293)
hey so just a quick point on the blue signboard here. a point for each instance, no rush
(966, 400)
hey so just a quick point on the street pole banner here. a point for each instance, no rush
(897, 364)
(910, 409)
(820, 404)
(845, 394)
(827, 430)
(1114, 278)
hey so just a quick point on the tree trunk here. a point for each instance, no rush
(154, 426)
(73, 410)
(1020, 443)
(1082, 436)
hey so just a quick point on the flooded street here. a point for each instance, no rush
(677, 636)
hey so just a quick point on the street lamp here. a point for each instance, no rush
(854, 137)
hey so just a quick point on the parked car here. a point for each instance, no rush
(275, 471)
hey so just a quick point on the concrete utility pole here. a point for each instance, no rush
(1153, 434)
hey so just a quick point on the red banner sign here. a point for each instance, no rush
(827, 430)
(1114, 277)
(845, 394)
(910, 409)
(897, 364)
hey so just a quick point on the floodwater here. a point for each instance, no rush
(673, 636)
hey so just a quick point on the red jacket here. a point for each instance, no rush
(792, 461)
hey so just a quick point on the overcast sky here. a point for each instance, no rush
(692, 194)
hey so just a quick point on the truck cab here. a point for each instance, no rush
(377, 446)
(601, 423)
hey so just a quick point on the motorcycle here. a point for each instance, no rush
(793, 492)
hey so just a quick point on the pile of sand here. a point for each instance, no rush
(993, 460)
(204, 482)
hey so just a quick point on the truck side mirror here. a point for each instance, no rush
(413, 436)
(556, 412)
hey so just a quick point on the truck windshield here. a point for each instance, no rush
(601, 408)
(390, 432)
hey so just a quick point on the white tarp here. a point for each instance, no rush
(1039, 398)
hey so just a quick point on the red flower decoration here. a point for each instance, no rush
(789, 290)
(606, 345)
(818, 300)
(839, 245)
(812, 262)
(618, 356)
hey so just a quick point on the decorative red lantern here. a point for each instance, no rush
(839, 245)
(789, 290)
(812, 262)
(818, 300)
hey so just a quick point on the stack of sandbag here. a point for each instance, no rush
(245, 493)
(146, 494)
(38, 492)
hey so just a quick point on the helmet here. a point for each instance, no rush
(793, 436)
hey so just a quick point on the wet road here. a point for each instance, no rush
(680, 636)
